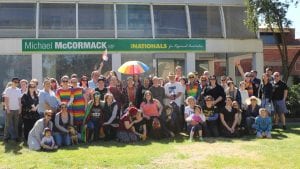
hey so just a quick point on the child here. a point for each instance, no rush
(195, 121)
(169, 121)
(48, 142)
(263, 124)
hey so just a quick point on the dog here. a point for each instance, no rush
(73, 135)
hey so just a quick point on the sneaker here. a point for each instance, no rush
(200, 138)
(284, 127)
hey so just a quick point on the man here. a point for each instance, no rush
(256, 81)
(173, 90)
(93, 82)
(224, 82)
(280, 92)
(269, 72)
(47, 99)
(157, 91)
(13, 109)
(178, 71)
(101, 87)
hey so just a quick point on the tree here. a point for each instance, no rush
(272, 14)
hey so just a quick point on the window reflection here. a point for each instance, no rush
(17, 20)
(134, 21)
(57, 20)
(205, 21)
(234, 21)
(170, 21)
(58, 65)
(96, 20)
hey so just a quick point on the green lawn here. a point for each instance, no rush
(283, 151)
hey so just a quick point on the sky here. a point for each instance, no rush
(294, 15)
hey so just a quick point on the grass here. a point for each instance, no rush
(283, 151)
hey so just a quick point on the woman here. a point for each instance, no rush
(140, 128)
(233, 92)
(111, 116)
(147, 83)
(189, 109)
(265, 93)
(116, 92)
(151, 108)
(36, 133)
(64, 94)
(29, 101)
(216, 91)
(229, 119)
(244, 95)
(93, 120)
(212, 117)
(252, 112)
(63, 120)
(157, 91)
(126, 130)
(85, 86)
(132, 94)
(79, 104)
(54, 84)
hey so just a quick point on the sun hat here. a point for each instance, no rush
(248, 100)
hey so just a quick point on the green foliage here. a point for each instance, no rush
(293, 102)
(267, 13)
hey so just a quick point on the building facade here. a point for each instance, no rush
(42, 38)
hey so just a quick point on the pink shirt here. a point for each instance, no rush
(150, 109)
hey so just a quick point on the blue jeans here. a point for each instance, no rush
(62, 139)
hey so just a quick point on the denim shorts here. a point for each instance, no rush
(280, 107)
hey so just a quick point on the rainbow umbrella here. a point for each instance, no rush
(133, 68)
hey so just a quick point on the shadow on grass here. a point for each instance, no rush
(13, 147)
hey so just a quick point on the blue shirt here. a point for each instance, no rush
(263, 124)
(92, 84)
(49, 98)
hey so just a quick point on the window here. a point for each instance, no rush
(134, 21)
(14, 66)
(96, 20)
(17, 20)
(268, 38)
(234, 20)
(170, 22)
(57, 20)
(58, 65)
(205, 22)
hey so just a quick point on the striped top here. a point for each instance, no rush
(64, 95)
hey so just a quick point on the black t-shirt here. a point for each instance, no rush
(278, 90)
(96, 113)
(228, 115)
(102, 92)
(215, 93)
(139, 126)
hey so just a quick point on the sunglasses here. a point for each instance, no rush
(32, 87)
(48, 115)
(191, 77)
(16, 81)
(65, 81)
(276, 75)
(84, 80)
(63, 107)
(73, 82)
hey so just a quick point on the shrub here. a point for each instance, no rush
(293, 102)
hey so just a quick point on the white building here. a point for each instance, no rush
(40, 38)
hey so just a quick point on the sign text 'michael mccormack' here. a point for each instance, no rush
(112, 45)
(45, 45)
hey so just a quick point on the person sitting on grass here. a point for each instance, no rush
(229, 119)
(140, 128)
(252, 112)
(263, 124)
(48, 143)
(125, 132)
(195, 122)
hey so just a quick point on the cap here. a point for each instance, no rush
(101, 78)
(15, 78)
(132, 111)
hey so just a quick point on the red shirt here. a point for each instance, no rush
(150, 109)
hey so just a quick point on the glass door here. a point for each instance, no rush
(167, 63)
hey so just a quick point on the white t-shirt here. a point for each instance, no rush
(173, 89)
(188, 111)
(13, 95)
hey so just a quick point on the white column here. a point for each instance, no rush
(152, 21)
(190, 62)
(211, 66)
(258, 63)
(37, 68)
(37, 18)
(115, 20)
(231, 68)
(77, 31)
(116, 62)
(188, 21)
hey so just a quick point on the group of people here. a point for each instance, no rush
(104, 107)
